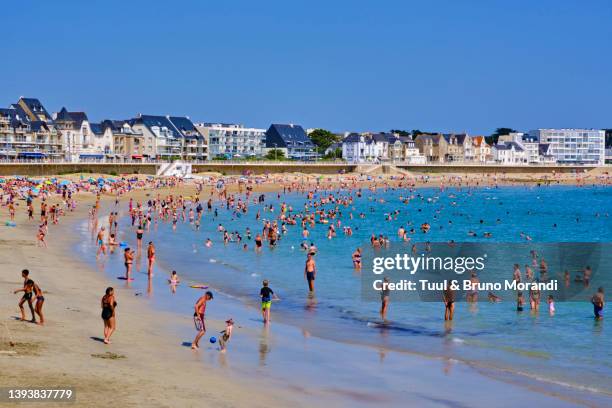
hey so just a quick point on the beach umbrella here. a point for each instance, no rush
(64, 183)
(48, 182)
(2, 180)
(35, 191)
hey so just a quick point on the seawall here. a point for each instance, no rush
(42, 169)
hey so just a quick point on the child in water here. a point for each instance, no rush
(174, 279)
(226, 334)
(551, 305)
(520, 302)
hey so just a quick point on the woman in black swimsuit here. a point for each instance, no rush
(108, 313)
(139, 233)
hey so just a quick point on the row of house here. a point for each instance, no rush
(28, 131)
(541, 146)
(377, 147)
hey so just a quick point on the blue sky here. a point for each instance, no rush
(456, 65)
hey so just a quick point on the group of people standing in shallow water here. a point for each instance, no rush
(322, 208)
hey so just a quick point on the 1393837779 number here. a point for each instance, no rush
(8, 394)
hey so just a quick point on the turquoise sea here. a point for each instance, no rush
(568, 348)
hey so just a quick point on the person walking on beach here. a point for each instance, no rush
(150, 257)
(28, 289)
(40, 300)
(101, 245)
(266, 295)
(109, 304)
(598, 303)
(310, 271)
(198, 318)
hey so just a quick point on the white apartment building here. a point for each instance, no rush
(77, 136)
(232, 140)
(22, 138)
(573, 146)
(509, 153)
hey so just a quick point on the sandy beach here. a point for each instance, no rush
(146, 365)
(140, 368)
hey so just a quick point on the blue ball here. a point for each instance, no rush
(213, 340)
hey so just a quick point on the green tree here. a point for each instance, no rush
(498, 132)
(323, 139)
(275, 154)
(336, 154)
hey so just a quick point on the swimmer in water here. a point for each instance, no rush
(598, 303)
(520, 302)
(551, 305)
(357, 258)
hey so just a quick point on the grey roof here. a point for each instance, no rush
(509, 146)
(37, 125)
(435, 139)
(16, 119)
(543, 149)
(352, 138)
(97, 128)
(77, 117)
(184, 126)
(35, 106)
(287, 136)
(8, 113)
(151, 121)
(459, 137)
(384, 137)
(63, 115)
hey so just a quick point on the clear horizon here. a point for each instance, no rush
(345, 66)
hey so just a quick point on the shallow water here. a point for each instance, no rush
(567, 348)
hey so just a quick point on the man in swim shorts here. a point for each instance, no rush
(198, 318)
(310, 271)
(28, 290)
